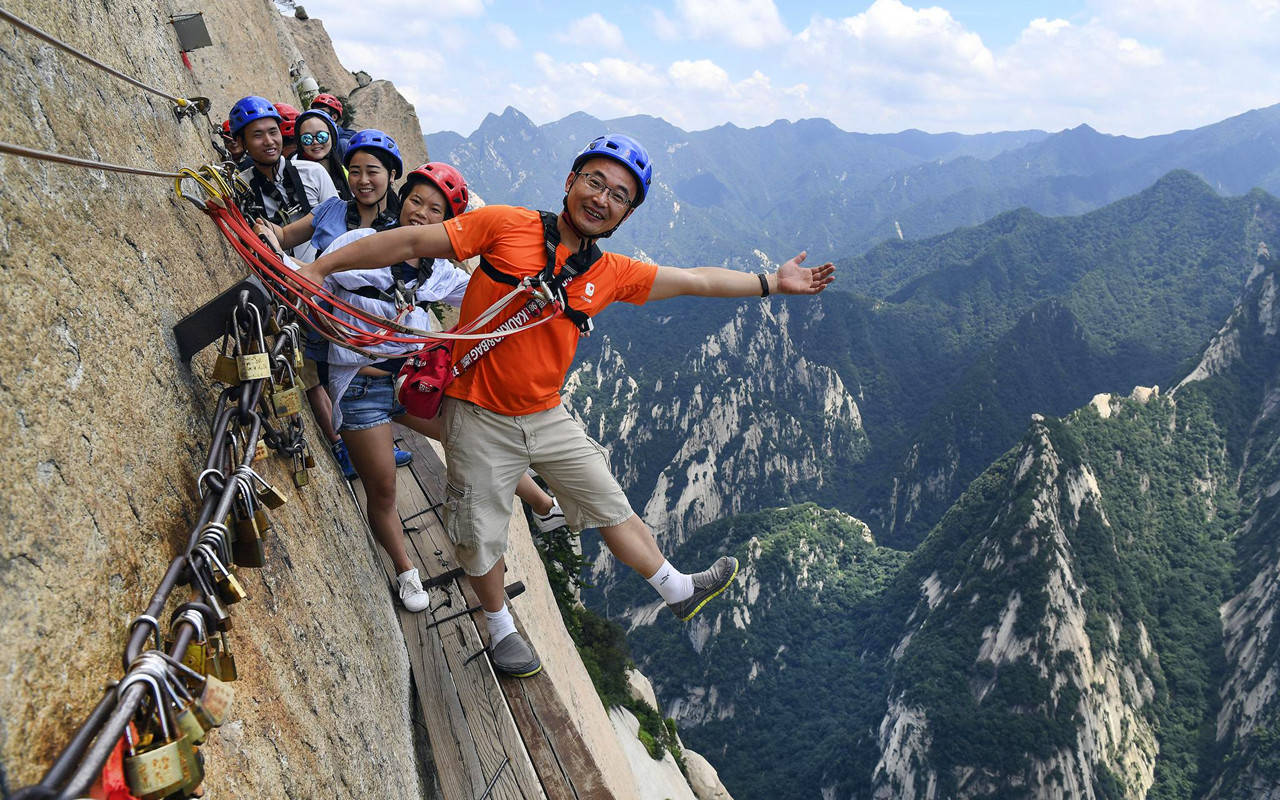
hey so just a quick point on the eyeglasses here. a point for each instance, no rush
(596, 184)
(320, 137)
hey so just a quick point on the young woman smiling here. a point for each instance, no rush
(318, 142)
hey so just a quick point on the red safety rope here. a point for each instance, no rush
(311, 299)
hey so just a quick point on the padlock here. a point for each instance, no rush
(227, 587)
(224, 662)
(155, 769)
(224, 366)
(260, 450)
(203, 582)
(270, 496)
(194, 655)
(217, 537)
(198, 648)
(287, 401)
(226, 370)
(247, 550)
(187, 726)
(257, 365)
(215, 700)
(186, 721)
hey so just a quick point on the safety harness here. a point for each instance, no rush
(286, 211)
(551, 281)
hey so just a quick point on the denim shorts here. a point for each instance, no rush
(368, 402)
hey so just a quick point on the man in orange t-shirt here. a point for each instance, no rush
(503, 414)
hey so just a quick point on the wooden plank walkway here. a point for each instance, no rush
(491, 736)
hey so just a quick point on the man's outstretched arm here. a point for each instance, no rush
(383, 249)
(791, 278)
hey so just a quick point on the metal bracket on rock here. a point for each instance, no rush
(208, 323)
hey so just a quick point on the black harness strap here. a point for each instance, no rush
(577, 264)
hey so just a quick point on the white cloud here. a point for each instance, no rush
(504, 36)
(593, 32)
(664, 27)
(690, 94)
(745, 23)
(902, 40)
(703, 75)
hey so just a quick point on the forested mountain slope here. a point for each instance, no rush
(1021, 315)
(1093, 618)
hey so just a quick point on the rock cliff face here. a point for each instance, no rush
(747, 420)
(313, 42)
(104, 427)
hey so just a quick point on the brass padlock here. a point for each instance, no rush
(195, 654)
(153, 770)
(271, 497)
(225, 583)
(225, 370)
(247, 550)
(224, 366)
(224, 662)
(257, 365)
(260, 450)
(215, 700)
(287, 401)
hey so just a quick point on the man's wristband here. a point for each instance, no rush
(764, 284)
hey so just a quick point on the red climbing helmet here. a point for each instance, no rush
(447, 179)
(328, 101)
(287, 116)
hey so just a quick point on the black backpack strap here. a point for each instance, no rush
(576, 265)
(496, 274)
(297, 190)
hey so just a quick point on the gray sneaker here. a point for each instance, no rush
(515, 657)
(706, 585)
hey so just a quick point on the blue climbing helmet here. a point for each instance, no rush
(247, 109)
(371, 139)
(624, 149)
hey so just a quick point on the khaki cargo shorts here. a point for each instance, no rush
(488, 452)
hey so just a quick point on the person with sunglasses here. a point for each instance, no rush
(431, 193)
(318, 142)
(503, 414)
(332, 107)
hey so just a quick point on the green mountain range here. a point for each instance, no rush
(1093, 618)
(742, 197)
(1024, 314)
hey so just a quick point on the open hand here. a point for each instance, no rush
(795, 279)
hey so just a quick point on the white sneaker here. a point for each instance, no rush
(412, 595)
(554, 519)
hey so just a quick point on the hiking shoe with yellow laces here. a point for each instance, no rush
(515, 657)
(706, 585)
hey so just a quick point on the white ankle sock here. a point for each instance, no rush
(500, 624)
(672, 584)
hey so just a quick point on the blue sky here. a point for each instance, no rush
(1134, 67)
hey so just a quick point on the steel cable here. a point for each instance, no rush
(33, 30)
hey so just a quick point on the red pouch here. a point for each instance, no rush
(423, 378)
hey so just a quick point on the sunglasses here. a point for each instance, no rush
(316, 138)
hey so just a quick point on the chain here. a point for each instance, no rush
(248, 418)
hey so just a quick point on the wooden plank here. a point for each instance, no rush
(474, 738)
(567, 767)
